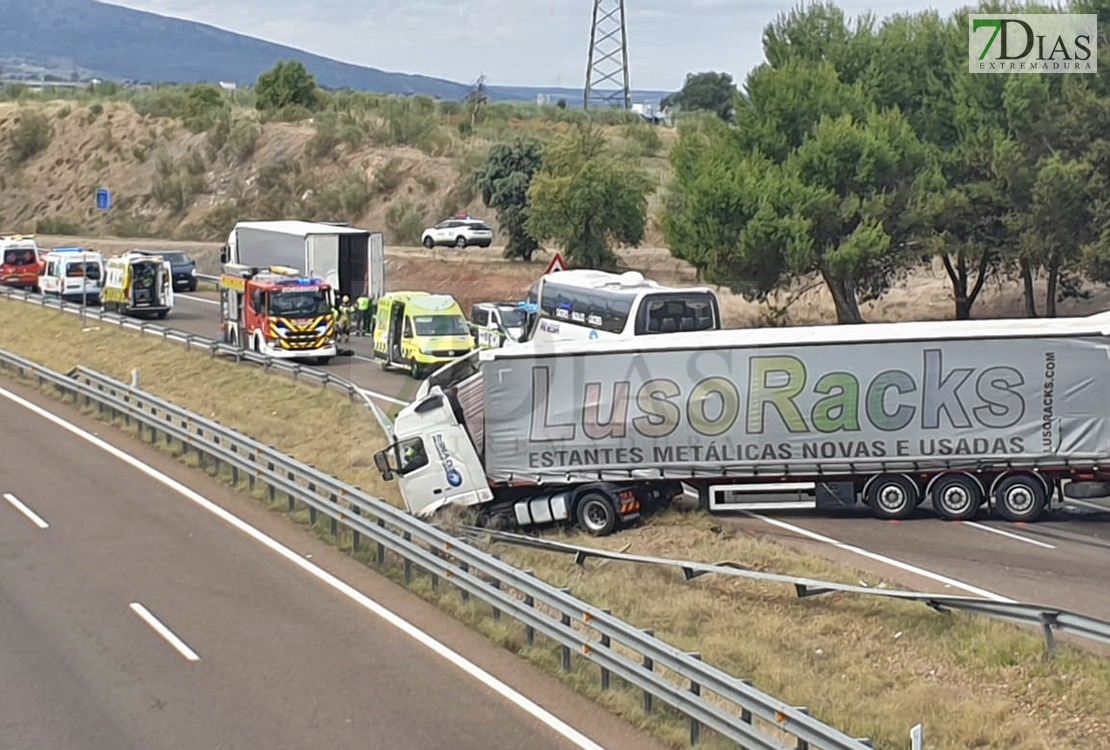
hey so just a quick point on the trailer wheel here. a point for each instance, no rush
(596, 514)
(892, 497)
(956, 497)
(1020, 497)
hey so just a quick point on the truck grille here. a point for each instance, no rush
(300, 341)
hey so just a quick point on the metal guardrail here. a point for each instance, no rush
(1047, 618)
(706, 695)
(190, 340)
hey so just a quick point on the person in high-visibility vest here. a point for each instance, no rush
(362, 313)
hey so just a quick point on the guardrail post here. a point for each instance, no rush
(745, 713)
(695, 725)
(802, 744)
(565, 619)
(606, 642)
(496, 584)
(356, 537)
(292, 500)
(649, 665)
(529, 631)
(408, 563)
(311, 508)
(1049, 638)
(381, 547)
(335, 521)
(463, 592)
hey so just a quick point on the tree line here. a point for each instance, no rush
(856, 153)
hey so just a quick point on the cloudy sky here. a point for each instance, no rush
(514, 42)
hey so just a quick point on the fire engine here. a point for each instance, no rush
(277, 312)
(20, 261)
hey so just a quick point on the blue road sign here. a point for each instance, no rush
(103, 199)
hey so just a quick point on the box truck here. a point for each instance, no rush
(350, 260)
(1007, 414)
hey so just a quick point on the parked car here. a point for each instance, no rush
(184, 268)
(459, 231)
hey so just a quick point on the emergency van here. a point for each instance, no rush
(495, 324)
(20, 261)
(74, 274)
(418, 332)
(138, 284)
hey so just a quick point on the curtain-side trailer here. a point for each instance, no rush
(1005, 414)
(349, 259)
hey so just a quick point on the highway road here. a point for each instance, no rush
(1061, 561)
(199, 313)
(143, 605)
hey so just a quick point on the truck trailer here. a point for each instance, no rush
(1011, 415)
(350, 260)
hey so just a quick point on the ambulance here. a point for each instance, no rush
(419, 332)
(74, 274)
(20, 261)
(138, 284)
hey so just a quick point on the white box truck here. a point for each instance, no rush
(1009, 414)
(351, 260)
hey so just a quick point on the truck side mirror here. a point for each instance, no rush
(381, 461)
(225, 253)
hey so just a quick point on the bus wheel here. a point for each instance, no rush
(596, 514)
(1020, 497)
(892, 497)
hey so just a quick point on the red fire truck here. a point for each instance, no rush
(20, 261)
(277, 312)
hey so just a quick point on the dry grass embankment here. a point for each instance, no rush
(869, 666)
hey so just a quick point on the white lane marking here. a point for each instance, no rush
(364, 359)
(191, 298)
(162, 630)
(1009, 534)
(1085, 504)
(18, 505)
(883, 559)
(470, 668)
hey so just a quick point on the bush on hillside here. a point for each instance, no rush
(31, 137)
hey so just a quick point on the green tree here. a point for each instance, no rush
(712, 92)
(287, 84)
(504, 180)
(586, 198)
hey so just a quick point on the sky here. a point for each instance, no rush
(515, 42)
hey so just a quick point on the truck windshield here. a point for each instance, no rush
(299, 304)
(441, 325)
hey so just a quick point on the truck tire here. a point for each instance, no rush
(956, 497)
(892, 497)
(1020, 497)
(596, 514)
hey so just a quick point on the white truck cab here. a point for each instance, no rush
(434, 454)
(74, 274)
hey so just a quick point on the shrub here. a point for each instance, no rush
(646, 137)
(405, 223)
(388, 178)
(31, 137)
(58, 225)
(243, 139)
(345, 199)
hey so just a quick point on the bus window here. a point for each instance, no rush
(677, 312)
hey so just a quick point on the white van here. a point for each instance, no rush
(74, 274)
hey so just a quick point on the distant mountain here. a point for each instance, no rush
(118, 43)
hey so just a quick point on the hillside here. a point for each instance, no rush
(120, 43)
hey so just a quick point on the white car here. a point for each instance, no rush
(459, 231)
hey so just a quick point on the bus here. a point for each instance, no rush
(590, 304)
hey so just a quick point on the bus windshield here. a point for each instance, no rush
(16, 257)
(299, 304)
(441, 325)
(513, 318)
(677, 312)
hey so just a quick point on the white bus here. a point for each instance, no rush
(589, 304)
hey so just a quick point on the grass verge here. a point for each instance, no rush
(870, 667)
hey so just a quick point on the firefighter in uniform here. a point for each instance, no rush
(346, 309)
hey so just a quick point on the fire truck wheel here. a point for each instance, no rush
(596, 514)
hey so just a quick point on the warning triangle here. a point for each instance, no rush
(556, 264)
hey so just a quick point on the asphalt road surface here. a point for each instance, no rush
(199, 313)
(134, 617)
(1060, 561)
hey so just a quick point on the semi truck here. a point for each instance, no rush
(350, 260)
(1010, 415)
(277, 312)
